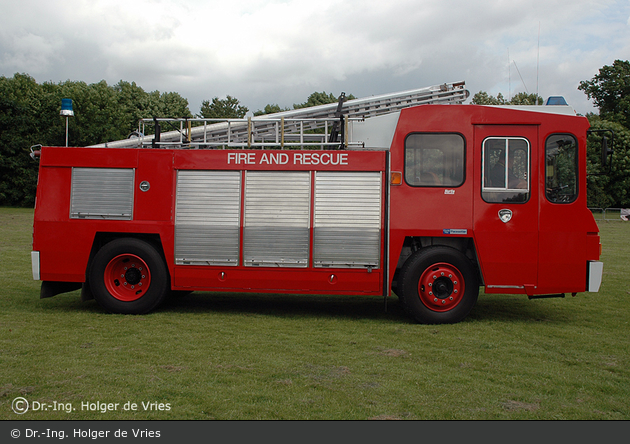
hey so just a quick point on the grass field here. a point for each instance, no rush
(207, 356)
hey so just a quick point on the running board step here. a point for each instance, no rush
(547, 296)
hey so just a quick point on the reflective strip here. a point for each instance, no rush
(35, 265)
(505, 286)
(595, 273)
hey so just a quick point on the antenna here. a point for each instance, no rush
(537, 63)
(509, 78)
(519, 74)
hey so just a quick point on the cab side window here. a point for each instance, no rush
(561, 168)
(434, 160)
(505, 170)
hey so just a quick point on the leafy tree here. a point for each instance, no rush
(483, 98)
(270, 109)
(610, 91)
(526, 99)
(320, 98)
(228, 108)
(20, 107)
(608, 189)
(315, 99)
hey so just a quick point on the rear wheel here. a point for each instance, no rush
(128, 276)
(438, 285)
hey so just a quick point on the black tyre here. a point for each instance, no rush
(128, 276)
(438, 285)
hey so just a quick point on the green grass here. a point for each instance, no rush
(244, 356)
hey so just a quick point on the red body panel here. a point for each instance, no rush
(65, 244)
(543, 249)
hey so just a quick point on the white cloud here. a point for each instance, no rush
(279, 51)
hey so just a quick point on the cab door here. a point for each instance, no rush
(506, 206)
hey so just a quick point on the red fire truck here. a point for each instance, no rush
(412, 192)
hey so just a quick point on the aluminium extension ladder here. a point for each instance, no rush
(316, 126)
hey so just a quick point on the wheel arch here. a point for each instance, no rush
(438, 284)
(411, 244)
(102, 238)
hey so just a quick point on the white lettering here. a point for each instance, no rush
(278, 158)
(89, 433)
(146, 433)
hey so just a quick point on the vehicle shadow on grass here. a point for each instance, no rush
(494, 308)
(518, 308)
(501, 308)
(348, 307)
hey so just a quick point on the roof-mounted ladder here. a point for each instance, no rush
(314, 127)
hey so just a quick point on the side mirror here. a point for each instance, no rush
(605, 151)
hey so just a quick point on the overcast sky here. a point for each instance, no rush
(280, 51)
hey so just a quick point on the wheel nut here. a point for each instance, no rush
(451, 298)
(443, 301)
(430, 284)
(435, 300)
(455, 291)
(442, 274)
(430, 293)
(455, 282)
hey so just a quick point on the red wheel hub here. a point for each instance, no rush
(441, 287)
(127, 277)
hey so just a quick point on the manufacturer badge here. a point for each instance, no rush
(505, 215)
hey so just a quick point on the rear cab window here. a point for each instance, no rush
(434, 160)
(561, 168)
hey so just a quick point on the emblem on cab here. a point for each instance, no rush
(505, 215)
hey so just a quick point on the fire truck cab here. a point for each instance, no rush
(429, 202)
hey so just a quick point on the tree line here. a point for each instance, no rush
(29, 115)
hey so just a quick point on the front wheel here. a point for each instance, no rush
(128, 276)
(438, 285)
